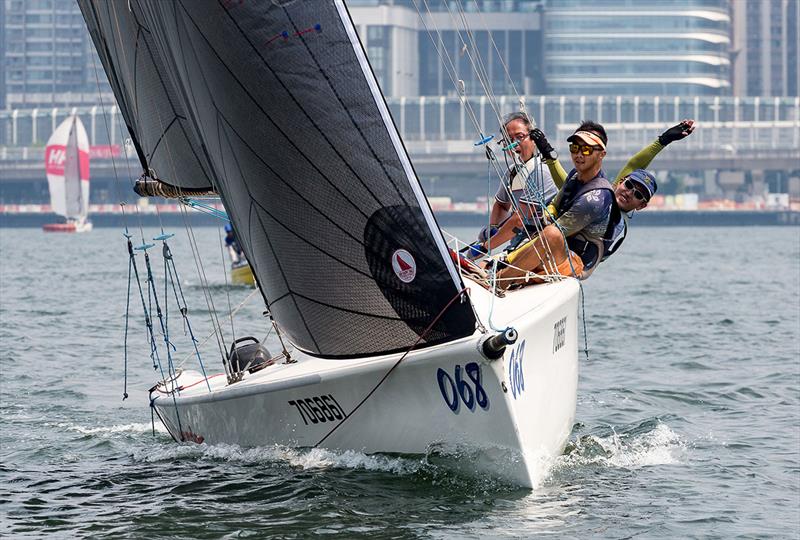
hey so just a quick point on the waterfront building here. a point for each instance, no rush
(628, 47)
(422, 49)
(2, 54)
(49, 58)
(766, 47)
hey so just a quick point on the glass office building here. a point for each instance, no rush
(629, 47)
(425, 47)
(766, 46)
(49, 55)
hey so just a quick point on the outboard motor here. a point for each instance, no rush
(248, 354)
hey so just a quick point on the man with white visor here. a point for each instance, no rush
(583, 207)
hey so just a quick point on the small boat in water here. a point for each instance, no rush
(388, 346)
(242, 274)
(67, 165)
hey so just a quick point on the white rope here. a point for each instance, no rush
(214, 332)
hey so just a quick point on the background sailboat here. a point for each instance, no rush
(66, 160)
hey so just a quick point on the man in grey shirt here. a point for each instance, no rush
(527, 186)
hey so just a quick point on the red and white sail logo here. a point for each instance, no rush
(55, 156)
(404, 265)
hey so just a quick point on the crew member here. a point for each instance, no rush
(234, 249)
(583, 207)
(524, 191)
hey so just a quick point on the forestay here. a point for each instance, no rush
(302, 149)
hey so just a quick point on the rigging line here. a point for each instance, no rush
(159, 313)
(206, 292)
(125, 339)
(227, 288)
(449, 66)
(500, 56)
(479, 66)
(213, 332)
(397, 363)
(149, 323)
(476, 66)
(439, 47)
(255, 102)
(181, 303)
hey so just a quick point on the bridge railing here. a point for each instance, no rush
(439, 118)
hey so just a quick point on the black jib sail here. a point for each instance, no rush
(302, 149)
(164, 141)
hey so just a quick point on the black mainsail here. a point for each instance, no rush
(284, 114)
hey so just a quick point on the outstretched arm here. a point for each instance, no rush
(642, 158)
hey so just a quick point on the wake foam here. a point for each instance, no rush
(661, 446)
(306, 459)
(131, 429)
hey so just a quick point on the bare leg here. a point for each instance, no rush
(535, 254)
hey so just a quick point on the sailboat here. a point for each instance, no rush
(387, 345)
(66, 160)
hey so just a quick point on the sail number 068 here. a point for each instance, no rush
(468, 390)
(318, 409)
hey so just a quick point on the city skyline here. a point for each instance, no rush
(538, 47)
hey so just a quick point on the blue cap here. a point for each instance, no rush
(645, 179)
(228, 227)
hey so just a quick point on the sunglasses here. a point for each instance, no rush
(515, 139)
(584, 149)
(636, 193)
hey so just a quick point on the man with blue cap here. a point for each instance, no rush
(633, 186)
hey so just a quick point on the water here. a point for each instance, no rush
(688, 421)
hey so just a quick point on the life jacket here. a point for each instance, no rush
(590, 250)
(612, 243)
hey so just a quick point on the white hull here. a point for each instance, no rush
(521, 425)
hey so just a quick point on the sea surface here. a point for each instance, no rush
(688, 420)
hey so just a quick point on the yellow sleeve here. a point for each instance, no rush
(556, 171)
(640, 160)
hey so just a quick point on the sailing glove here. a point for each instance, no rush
(676, 133)
(483, 237)
(544, 146)
(476, 250)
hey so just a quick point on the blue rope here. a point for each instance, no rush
(172, 272)
(149, 322)
(205, 208)
(152, 287)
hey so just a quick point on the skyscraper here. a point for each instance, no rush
(426, 47)
(629, 47)
(48, 55)
(766, 41)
